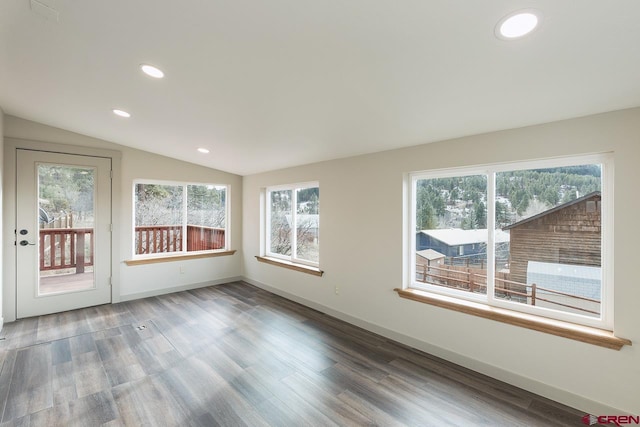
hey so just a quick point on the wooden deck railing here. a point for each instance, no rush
(201, 238)
(62, 248)
(155, 239)
(474, 281)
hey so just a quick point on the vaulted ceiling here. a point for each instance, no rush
(270, 84)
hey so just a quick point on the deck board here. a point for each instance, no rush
(66, 282)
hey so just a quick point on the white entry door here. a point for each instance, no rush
(63, 234)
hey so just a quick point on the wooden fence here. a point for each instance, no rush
(63, 220)
(475, 280)
(475, 261)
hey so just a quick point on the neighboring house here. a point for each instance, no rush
(568, 234)
(429, 257)
(456, 242)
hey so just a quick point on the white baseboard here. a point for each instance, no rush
(1, 323)
(164, 291)
(515, 379)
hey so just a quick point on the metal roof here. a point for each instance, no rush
(430, 254)
(458, 236)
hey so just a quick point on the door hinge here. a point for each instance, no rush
(111, 173)
(110, 281)
(110, 227)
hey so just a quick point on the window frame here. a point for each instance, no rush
(266, 249)
(605, 321)
(184, 252)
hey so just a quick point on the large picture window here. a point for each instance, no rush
(177, 218)
(293, 223)
(533, 237)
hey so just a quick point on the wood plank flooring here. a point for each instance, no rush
(235, 355)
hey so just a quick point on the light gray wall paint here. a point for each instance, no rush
(1, 209)
(362, 213)
(140, 280)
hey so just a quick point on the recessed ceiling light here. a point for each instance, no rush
(121, 113)
(518, 24)
(152, 71)
(203, 150)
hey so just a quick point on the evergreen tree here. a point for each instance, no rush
(480, 215)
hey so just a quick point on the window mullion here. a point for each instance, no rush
(184, 218)
(294, 224)
(413, 229)
(267, 225)
(491, 226)
(607, 224)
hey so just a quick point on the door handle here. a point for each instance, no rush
(25, 243)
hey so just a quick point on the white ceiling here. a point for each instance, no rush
(271, 84)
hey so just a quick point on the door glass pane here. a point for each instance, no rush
(451, 232)
(66, 200)
(553, 256)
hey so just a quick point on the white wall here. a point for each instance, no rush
(131, 281)
(361, 252)
(1, 235)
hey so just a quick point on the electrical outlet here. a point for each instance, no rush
(337, 290)
(181, 269)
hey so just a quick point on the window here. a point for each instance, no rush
(533, 237)
(293, 223)
(178, 218)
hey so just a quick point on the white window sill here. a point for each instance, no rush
(560, 328)
(315, 271)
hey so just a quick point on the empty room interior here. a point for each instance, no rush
(319, 212)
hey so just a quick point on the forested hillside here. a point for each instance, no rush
(461, 202)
